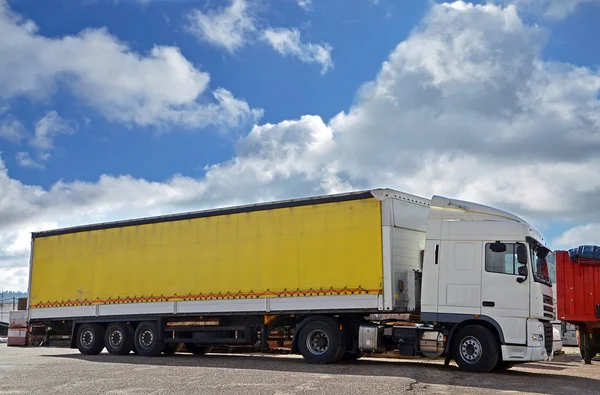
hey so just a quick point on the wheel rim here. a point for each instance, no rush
(317, 342)
(470, 349)
(146, 338)
(87, 338)
(115, 338)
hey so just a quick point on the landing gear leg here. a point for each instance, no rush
(585, 347)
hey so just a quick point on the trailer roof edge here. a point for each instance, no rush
(305, 201)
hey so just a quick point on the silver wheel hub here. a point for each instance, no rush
(470, 349)
(87, 338)
(146, 338)
(115, 338)
(317, 342)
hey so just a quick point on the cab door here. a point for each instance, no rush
(459, 290)
(504, 294)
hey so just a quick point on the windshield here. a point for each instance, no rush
(539, 262)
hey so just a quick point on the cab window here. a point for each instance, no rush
(505, 262)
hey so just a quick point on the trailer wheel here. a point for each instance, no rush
(119, 339)
(320, 342)
(90, 339)
(476, 349)
(147, 342)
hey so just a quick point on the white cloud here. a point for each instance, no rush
(552, 9)
(24, 159)
(48, 127)
(228, 27)
(306, 5)
(235, 26)
(578, 235)
(12, 130)
(464, 107)
(288, 42)
(160, 87)
(14, 279)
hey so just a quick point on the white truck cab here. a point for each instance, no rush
(482, 264)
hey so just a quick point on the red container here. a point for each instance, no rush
(578, 289)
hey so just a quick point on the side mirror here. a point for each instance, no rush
(522, 254)
(522, 271)
(498, 247)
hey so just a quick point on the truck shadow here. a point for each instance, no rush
(546, 380)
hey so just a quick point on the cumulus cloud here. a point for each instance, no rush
(12, 130)
(24, 159)
(46, 130)
(14, 279)
(306, 5)
(465, 107)
(48, 127)
(160, 87)
(552, 9)
(288, 43)
(578, 235)
(227, 27)
(234, 26)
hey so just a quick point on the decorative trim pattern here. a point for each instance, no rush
(211, 296)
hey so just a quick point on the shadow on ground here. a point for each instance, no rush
(546, 380)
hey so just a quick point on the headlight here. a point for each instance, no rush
(537, 337)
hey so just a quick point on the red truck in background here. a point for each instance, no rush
(578, 295)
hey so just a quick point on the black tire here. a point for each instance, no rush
(118, 339)
(197, 350)
(147, 342)
(172, 348)
(90, 339)
(320, 342)
(476, 349)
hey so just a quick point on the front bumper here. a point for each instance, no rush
(525, 354)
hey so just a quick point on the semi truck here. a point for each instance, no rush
(578, 295)
(468, 278)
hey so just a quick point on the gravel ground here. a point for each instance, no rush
(65, 371)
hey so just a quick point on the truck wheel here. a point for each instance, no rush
(320, 342)
(147, 342)
(476, 349)
(119, 339)
(90, 339)
(197, 350)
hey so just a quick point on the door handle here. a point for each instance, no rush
(489, 304)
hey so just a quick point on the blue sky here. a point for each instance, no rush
(361, 36)
(117, 109)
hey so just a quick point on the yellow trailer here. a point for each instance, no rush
(265, 257)
(330, 247)
(249, 267)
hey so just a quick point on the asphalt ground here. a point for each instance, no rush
(65, 371)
